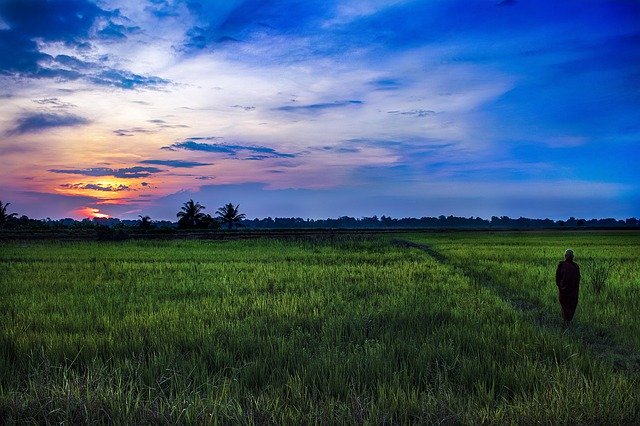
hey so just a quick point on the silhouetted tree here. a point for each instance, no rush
(191, 215)
(4, 216)
(145, 222)
(230, 215)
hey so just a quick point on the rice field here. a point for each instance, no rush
(413, 328)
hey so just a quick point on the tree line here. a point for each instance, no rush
(192, 216)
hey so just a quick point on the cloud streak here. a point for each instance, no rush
(176, 163)
(136, 172)
(250, 152)
(319, 107)
(35, 122)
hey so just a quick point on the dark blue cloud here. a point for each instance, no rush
(70, 22)
(231, 150)
(115, 31)
(239, 20)
(38, 121)
(73, 63)
(176, 163)
(386, 84)
(318, 107)
(198, 38)
(126, 80)
(125, 173)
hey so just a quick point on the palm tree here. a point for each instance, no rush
(145, 222)
(190, 215)
(230, 215)
(4, 216)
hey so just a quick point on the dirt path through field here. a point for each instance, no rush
(598, 340)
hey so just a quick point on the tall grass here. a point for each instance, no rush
(287, 332)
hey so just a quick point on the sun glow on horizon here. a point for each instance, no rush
(353, 107)
(91, 213)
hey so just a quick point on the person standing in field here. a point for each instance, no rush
(568, 282)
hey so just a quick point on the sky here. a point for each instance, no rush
(316, 109)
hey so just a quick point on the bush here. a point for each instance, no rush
(598, 275)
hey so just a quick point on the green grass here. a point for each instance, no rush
(312, 332)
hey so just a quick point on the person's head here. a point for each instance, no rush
(568, 254)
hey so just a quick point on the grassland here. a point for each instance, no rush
(454, 328)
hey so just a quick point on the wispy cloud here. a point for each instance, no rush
(54, 103)
(414, 112)
(164, 125)
(126, 80)
(244, 107)
(128, 172)
(132, 131)
(309, 108)
(386, 84)
(231, 150)
(176, 163)
(34, 122)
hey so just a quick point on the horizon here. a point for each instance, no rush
(321, 109)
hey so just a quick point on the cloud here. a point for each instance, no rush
(96, 187)
(414, 112)
(125, 173)
(54, 103)
(14, 149)
(35, 25)
(318, 107)
(126, 80)
(176, 163)
(39, 121)
(338, 149)
(200, 38)
(132, 131)
(117, 31)
(73, 62)
(231, 150)
(161, 9)
(243, 107)
(164, 125)
(69, 21)
(386, 84)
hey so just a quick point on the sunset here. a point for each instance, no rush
(320, 212)
(321, 109)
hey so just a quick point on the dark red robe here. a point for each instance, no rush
(568, 282)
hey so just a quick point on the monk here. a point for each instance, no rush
(568, 282)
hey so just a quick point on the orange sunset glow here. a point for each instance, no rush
(91, 213)
(118, 108)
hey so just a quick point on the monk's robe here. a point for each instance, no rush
(568, 282)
